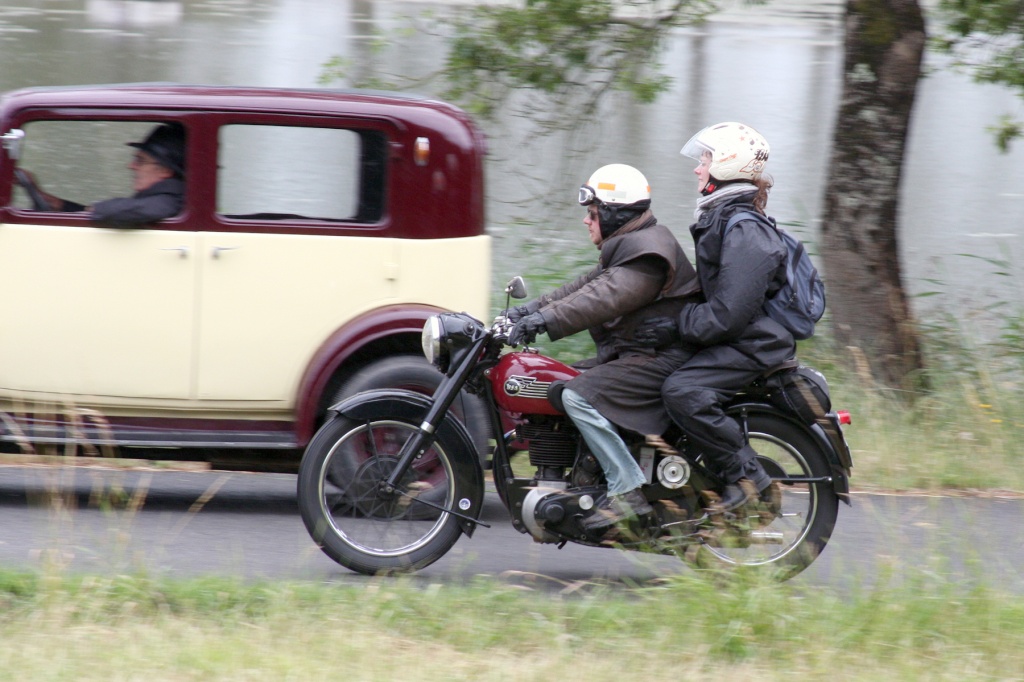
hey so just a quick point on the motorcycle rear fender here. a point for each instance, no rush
(412, 406)
(840, 469)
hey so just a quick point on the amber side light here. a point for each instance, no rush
(421, 151)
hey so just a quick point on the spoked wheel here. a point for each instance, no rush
(354, 519)
(789, 527)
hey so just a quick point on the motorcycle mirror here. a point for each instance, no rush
(516, 288)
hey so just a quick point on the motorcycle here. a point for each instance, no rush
(392, 479)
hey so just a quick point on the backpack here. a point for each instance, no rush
(801, 300)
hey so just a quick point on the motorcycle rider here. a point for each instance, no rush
(735, 341)
(642, 271)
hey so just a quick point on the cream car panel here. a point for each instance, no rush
(449, 273)
(270, 300)
(299, 289)
(96, 311)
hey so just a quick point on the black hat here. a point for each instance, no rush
(166, 144)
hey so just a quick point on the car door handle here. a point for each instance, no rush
(216, 251)
(182, 250)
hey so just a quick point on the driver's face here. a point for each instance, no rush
(593, 223)
(146, 171)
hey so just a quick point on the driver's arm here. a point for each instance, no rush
(28, 180)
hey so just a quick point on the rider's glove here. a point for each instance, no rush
(527, 329)
(657, 332)
(516, 313)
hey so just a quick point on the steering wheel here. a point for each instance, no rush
(39, 202)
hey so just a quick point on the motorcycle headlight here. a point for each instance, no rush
(431, 340)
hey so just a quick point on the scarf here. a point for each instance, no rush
(637, 223)
(721, 195)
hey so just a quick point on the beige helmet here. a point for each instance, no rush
(616, 184)
(738, 152)
(620, 193)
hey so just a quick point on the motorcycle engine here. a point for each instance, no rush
(553, 441)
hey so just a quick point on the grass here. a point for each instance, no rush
(690, 627)
(966, 434)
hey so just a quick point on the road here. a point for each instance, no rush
(187, 523)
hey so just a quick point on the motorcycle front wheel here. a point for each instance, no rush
(789, 528)
(354, 520)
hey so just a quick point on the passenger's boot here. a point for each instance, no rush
(749, 486)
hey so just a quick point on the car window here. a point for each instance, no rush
(280, 172)
(81, 161)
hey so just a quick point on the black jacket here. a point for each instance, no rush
(736, 275)
(161, 200)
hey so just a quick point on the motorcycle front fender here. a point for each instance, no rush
(411, 406)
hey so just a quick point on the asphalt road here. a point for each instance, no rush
(183, 523)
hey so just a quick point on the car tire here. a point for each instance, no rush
(414, 373)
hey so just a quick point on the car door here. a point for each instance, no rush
(271, 300)
(90, 310)
(95, 311)
(288, 267)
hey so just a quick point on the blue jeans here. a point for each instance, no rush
(621, 470)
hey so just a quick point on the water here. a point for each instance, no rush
(776, 67)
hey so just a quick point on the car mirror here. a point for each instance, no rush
(12, 142)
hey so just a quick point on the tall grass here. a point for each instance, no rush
(690, 627)
(966, 433)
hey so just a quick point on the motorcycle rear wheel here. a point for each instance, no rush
(357, 523)
(787, 539)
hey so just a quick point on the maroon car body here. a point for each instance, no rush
(410, 173)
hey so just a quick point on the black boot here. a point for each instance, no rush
(735, 495)
(754, 471)
(615, 509)
(748, 488)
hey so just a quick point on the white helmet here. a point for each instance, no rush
(738, 152)
(616, 184)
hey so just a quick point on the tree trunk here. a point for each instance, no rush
(871, 316)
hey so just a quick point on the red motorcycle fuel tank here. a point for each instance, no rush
(520, 382)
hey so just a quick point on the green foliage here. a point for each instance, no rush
(987, 38)
(570, 51)
(557, 47)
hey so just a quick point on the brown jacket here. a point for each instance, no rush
(642, 272)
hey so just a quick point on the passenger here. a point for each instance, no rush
(641, 271)
(158, 169)
(734, 340)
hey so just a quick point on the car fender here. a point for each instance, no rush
(372, 327)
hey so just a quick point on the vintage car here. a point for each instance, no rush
(317, 232)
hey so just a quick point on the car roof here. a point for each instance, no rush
(174, 96)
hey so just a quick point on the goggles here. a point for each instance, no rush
(587, 195)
